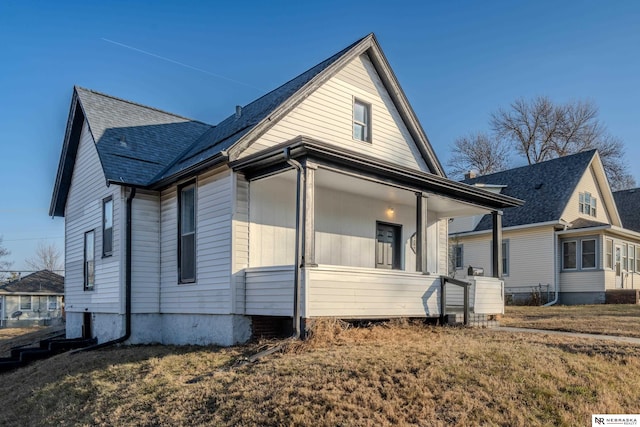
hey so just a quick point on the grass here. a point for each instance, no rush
(608, 319)
(400, 374)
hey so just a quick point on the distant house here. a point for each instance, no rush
(572, 234)
(321, 198)
(35, 299)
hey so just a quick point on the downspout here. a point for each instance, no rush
(127, 302)
(299, 239)
(556, 270)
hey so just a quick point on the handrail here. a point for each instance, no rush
(443, 296)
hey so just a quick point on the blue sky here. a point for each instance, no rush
(457, 62)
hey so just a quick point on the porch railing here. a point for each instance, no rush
(444, 280)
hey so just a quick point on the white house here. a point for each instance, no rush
(567, 237)
(321, 198)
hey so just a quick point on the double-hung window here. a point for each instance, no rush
(52, 303)
(637, 259)
(587, 204)
(89, 260)
(609, 253)
(632, 257)
(588, 248)
(187, 233)
(25, 302)
(569, 255)
(458, 253)
(625, 258)
(361, 121)
(107, 227)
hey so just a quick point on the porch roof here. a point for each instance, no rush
(273, 160)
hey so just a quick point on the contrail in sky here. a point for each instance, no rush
(181, 64)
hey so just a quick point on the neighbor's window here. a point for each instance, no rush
(25, 303)
(569, 255)
(187, 231)
(587, 204)
(637, 259)
(505, 258)
(609, 254)
(632, 257)
(624, 257)
(89, 260)
(52, 303)
(458, 259)
(107, 227)
(361, 121)
(588, 253)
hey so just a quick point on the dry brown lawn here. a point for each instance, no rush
(608, 319)
(382, 375)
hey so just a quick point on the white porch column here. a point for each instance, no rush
(308, 201)
(497, 243)
(421, 232)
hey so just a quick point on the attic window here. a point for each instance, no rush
(587, 204)
(361, 121)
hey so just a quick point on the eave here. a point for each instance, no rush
(273, 159)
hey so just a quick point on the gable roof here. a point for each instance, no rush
(145, 147)
(628, 203)
(40, 282)
(545, 187)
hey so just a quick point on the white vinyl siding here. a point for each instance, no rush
(327, 115)
(530, 255)
(83, 212)
(211, 293)
(145, 244)
(587, 184)
(582, 281)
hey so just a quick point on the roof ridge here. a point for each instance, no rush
(560, 158)
(137, 104)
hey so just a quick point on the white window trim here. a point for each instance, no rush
(589, 209)
(595, 254)
(455, 256)
(609, 262)
(181, 187)
(366, 124)
(55, 302)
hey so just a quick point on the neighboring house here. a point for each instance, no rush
(568, 235)
(321, 198)
(35, 299)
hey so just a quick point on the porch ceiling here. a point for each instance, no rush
(443, 206)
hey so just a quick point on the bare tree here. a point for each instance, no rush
(4, 264)
(479, 152)
(47, 257)
(540, 130)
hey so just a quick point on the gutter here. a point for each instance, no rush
(127, 333)
(299, 239)
(556, 271)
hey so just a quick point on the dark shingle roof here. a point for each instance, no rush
(545, 187)
(231, 129)
(135, 142)
(44, 282)
(628, 204)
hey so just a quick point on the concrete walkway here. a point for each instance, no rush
(614, 338)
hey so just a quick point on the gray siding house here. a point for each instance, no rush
(321, 198)
(32, 300)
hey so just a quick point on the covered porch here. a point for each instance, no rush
(336, 234)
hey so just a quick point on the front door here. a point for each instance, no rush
(618, 266)
(388, 245)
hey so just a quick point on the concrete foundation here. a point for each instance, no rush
(175, 329)
(578, 298)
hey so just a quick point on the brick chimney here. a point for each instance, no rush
(470, 175)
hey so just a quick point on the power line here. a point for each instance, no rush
(181, 64)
